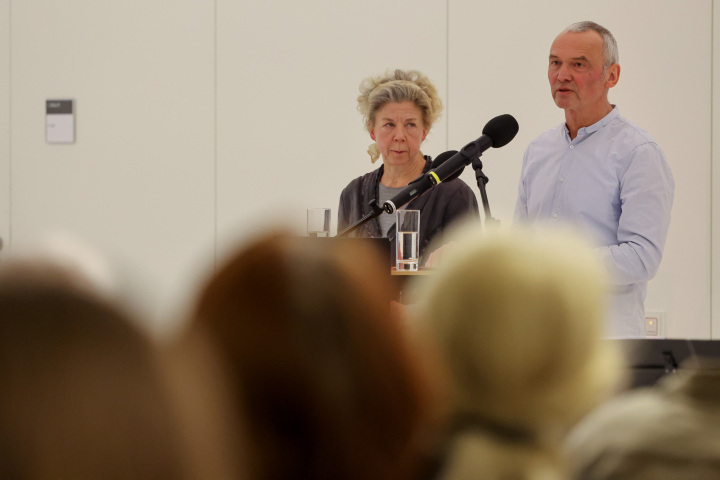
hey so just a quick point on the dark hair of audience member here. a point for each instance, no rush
(82, 395)
(329, 386)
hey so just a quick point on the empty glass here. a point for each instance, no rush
(318, 222)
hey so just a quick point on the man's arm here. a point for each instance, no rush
(646, 197)
(521, 213)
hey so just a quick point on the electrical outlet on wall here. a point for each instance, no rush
(655, 323)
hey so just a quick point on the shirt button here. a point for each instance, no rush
(572, 146)
(562, 179)
(554, 215)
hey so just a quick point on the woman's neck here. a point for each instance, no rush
(401, 175)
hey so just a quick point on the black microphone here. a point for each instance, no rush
(497, 133)
(442, 158)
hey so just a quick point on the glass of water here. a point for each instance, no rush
(318, 222)
(407, 240)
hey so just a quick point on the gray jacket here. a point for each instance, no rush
(441, 206)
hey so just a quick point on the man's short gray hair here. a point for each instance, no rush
(610, 49)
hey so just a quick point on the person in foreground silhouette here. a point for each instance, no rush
(515, 318)
(327, 384)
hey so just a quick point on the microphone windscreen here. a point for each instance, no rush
(444, 157)
(501, 129)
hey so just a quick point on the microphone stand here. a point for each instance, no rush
(482, 179)
(376, 211)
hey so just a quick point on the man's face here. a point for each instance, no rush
(575, 72)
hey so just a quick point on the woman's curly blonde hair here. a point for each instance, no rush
(398, 86)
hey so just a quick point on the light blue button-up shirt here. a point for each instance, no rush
(613, 182)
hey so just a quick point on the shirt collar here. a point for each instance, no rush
(614, 113)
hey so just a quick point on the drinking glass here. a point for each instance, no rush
(407, 240)
(318, 222)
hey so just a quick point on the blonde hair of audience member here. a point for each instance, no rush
(516, 319)
(83, 396)
(398, 86)
(328, 386)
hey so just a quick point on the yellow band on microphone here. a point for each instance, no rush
(434, 175)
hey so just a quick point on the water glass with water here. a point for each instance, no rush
(318, 222)
(407, 240)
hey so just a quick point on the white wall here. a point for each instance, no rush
(139, 180)
(715, 257)
(200, 123)
(4, 123)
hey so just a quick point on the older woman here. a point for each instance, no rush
(399, 109)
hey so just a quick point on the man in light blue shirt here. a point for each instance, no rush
(600, 172)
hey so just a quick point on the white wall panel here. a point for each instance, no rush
(715, 258)
(5, 102)
(498, 63)
(289, 134)
(138, 183)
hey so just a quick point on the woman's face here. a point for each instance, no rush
(399, 131)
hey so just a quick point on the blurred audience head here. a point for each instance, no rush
(328, 386)
(62, 258)
(670, 431)
(83, 393)
(516, 317)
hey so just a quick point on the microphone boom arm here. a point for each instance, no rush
(376, 211)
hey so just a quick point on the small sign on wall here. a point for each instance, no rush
(60, 121)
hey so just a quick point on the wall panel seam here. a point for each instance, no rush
(215, 134)
(447, 75)
(10, 129)
(712, 167)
